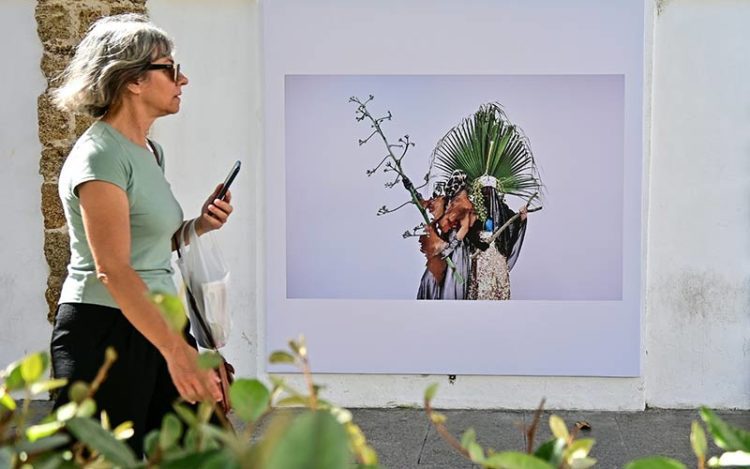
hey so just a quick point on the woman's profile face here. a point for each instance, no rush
(160, 91)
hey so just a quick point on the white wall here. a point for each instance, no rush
(697, 326)
(218, 47)
(698, 316)
(23, 269)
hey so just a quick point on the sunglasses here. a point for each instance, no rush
(173, 68)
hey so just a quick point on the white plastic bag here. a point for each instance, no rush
(206, 276)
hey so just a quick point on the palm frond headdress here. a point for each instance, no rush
(488, 144)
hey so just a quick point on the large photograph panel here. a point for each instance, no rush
(339, 247)
(569, 76)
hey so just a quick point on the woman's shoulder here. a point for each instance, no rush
(96, 155)
(97, 143)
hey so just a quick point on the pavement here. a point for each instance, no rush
(404, 438)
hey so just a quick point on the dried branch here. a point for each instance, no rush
(385, 210)
(444, 433)
(372, 171)
(386, 118)
(393, 183)
(531, 429)
(362, 142)
(395, 163)
(414, 232)
(110, 357)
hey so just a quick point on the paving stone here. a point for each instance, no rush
(657, 433)
(498, 430)
(396, 435)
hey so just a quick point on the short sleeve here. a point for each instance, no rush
(93, 162)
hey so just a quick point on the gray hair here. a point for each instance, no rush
(115, 51)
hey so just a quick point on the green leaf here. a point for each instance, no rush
(582, 463)
(469, 436)
(438, 418)
(558, 427)
(104, 420)
(172, 309)
(110, 354)
(369, 457)
(552, 451)
(429, 393)
(655, 462)
(43, 430)
(342, 416)
(515, 460)
(726, 436)
(579, 449)
(52, 460)
(33, 366)
(191, 440)
(698, 440)
(487, 143)
(294, 346)
(215, 458)
(43, 444)
(78, 391)
(280, 356)
(250, 398)
(205, 411)
(171, 430)
(66, 411)
(185, 414)
(734, 459)
(476, 453)
(48, 385)
(6, 400)
(124, 430)
(293, 401)
(98, 439)
(14, 380)
(314, 440)
(7, 458)
(209, 360)
(87, 408)
(212, 436)
(151, 442)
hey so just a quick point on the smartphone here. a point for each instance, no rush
(228, 181)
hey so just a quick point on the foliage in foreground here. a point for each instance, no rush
(319, 435)
(315, 434)
(566, 451)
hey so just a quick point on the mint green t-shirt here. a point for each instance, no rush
(104, 154)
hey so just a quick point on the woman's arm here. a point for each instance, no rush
(105, 212)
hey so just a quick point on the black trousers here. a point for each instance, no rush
(138, 387)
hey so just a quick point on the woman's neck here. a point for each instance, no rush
(133, 126)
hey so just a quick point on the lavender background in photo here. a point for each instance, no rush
(336, 246)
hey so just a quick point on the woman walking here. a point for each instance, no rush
(122, 218)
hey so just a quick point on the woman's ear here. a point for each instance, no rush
(135, 86)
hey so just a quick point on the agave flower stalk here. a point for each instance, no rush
(393, 163)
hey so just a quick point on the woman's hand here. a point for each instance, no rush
(193, 383)
(214, 213)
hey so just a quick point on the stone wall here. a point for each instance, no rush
(61, 24)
